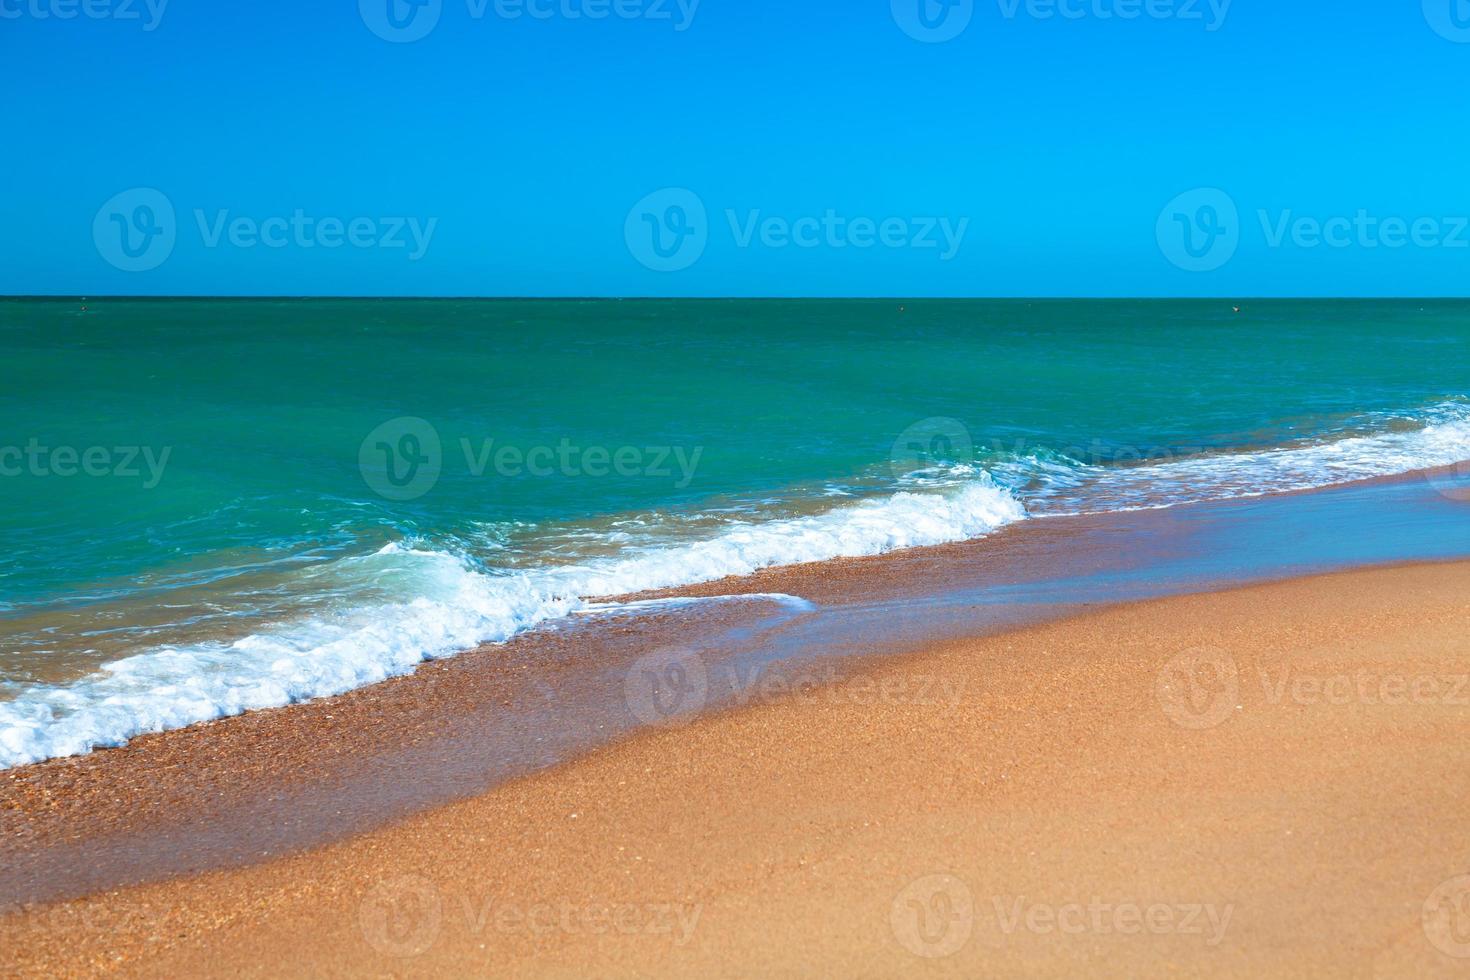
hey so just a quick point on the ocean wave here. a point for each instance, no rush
(453, 607)
(1439, 436)
(451, 603)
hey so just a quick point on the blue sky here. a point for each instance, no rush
(827, 148)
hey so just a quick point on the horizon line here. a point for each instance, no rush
(711, 298)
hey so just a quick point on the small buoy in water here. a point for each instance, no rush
(1235, 308)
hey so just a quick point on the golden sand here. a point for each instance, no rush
(1266, 781)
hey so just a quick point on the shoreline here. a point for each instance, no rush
(248, 788)
(1192, 763)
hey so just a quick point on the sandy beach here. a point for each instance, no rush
(1266, 780)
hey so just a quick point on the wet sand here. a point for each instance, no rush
(1268, 780)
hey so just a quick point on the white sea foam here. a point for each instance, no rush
(1445, 441)
(450, 606)
(635, 606)
(454, 608)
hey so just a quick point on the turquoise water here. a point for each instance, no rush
(214, 505)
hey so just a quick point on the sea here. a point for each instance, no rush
(218, 505)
